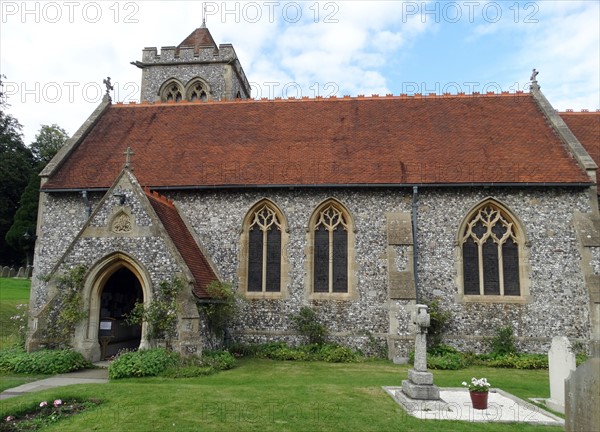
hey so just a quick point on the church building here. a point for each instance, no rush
(358, 207)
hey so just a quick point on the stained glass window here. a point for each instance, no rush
(264, 250)
(490, 252)
(330, 256)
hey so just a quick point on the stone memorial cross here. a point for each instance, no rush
(422, 320)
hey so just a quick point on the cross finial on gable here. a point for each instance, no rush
(533, 79)
(109, 87)
(128, 153)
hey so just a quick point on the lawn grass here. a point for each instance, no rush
(9, 381)
(258, 395)
(265, 395)
(12, 292)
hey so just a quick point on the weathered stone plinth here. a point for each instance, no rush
(420, 386)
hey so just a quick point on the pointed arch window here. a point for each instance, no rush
(331, 238)
(198, 93)
(197, 90)
(264, 239)
(171, 91)
(492, 254)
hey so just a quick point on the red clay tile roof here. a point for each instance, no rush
(359, 141)
(586, 127)
(200, 37)
(185, 243)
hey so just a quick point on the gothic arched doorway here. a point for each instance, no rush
(118, 296)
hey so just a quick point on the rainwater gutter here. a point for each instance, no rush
(335, 185)
(415, 242)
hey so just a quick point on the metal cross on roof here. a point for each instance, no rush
(128, 153)
(109, 87)
(534, 75)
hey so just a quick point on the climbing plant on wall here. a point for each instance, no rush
(67, 307)
(220, 309)
(160, 313)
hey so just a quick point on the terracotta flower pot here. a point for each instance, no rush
(479, 400)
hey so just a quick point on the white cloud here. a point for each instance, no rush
(362, 48)
(565, 48)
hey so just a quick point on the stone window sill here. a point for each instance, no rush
(524, 299)
(250, 295)
(332, 296)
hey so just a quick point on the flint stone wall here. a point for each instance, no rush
(559, 299)
(64, 216)
(559, 303)
(216, 67)
(217, 219)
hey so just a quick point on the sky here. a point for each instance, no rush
(56, 54)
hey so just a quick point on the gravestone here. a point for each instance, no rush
(582, 390)
(561, 362)
(29, 272)
(5, 270)
(12, 272)
(21, 272)
(420, 382)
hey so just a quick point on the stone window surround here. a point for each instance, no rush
(352, 293)
(190, 87)
(165, 88)
(185, 90)
(244, 252)
(524, 266)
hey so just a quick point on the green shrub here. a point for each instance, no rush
(447, 362)
(308, 325)
(9, 358)
(472, 359)
(520, 361)
(438, 322)
(287, 353)
(218, 360)
(67, 308)
(444, 357)
(337, 354)
(47, 362)
(504, 342)
(142, 363)
(331, 353)
(244, 350)
(268, 350)
(441, 350)
(161, 313)
(221, 311)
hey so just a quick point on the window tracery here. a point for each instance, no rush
(491, 253)
(330, 236)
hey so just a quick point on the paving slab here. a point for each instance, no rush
(455, 404)
(86, 376)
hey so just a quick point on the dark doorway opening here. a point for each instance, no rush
(119, 295)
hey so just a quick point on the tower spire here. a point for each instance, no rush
(203, 16)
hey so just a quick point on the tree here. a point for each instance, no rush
(16, 163)
(47, 142)
(21, 235)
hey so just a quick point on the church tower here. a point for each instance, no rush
(196, 69)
